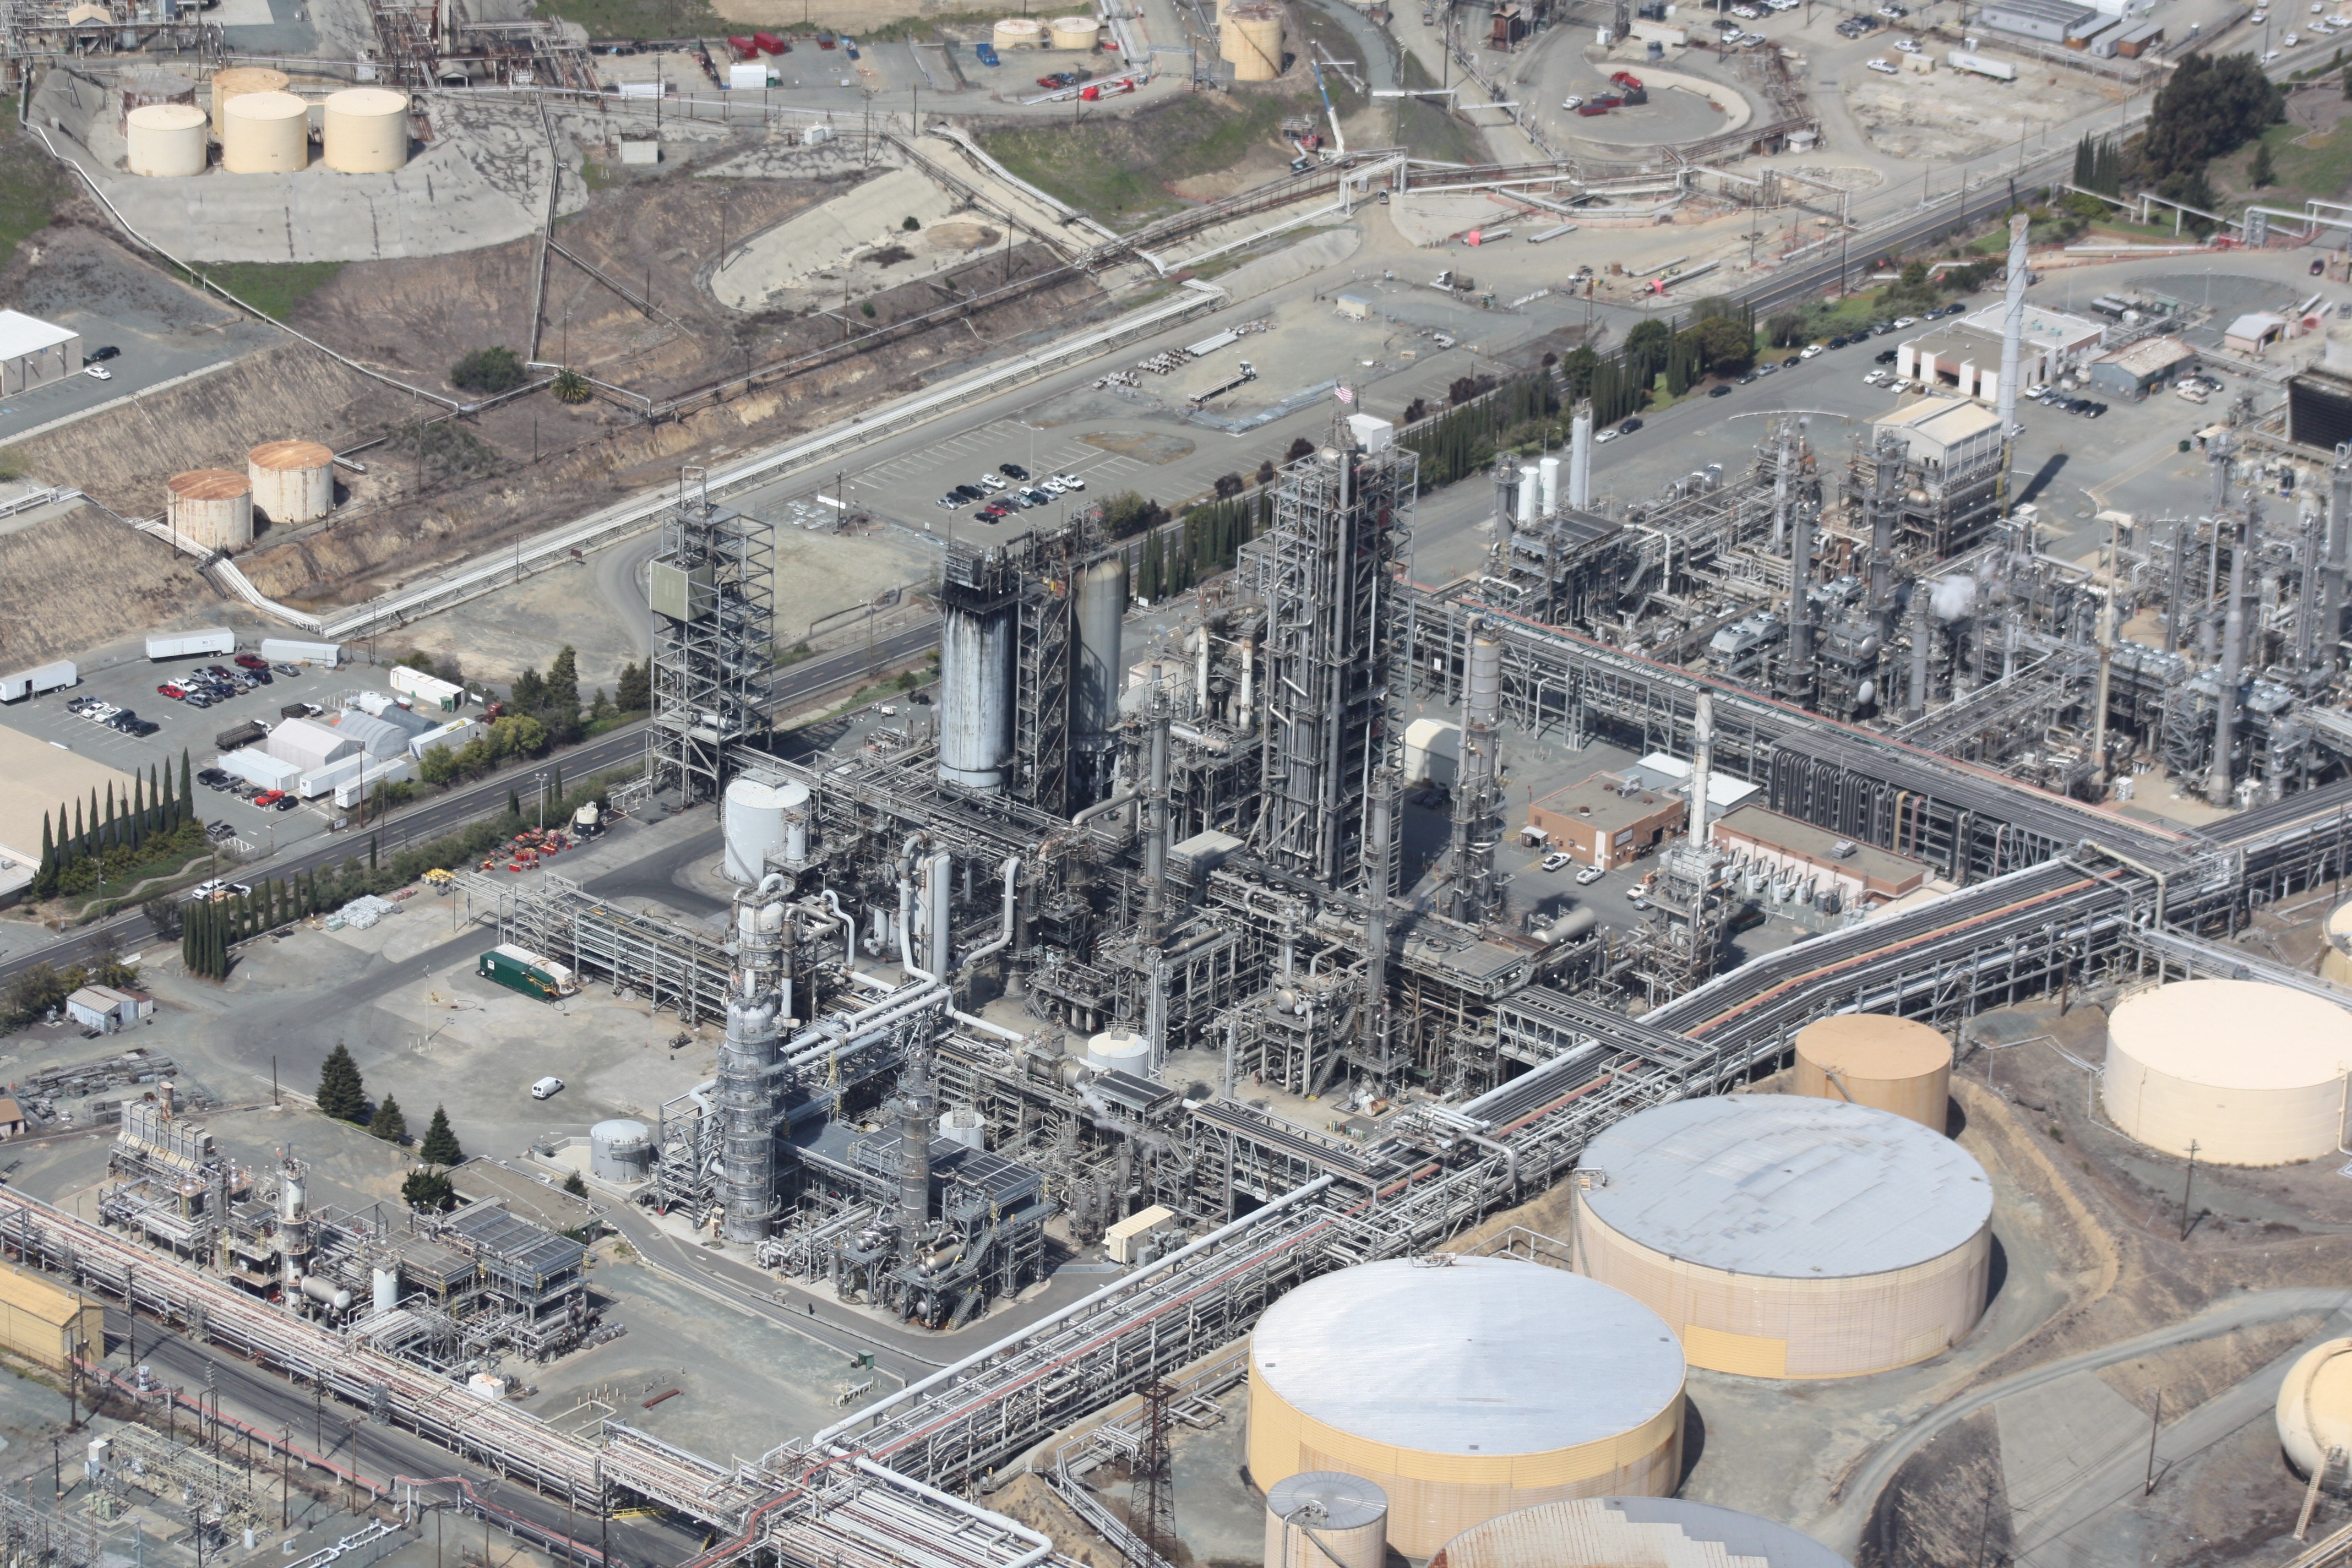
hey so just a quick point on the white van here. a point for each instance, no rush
(547, 1087)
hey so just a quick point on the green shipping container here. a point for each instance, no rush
(526, 973)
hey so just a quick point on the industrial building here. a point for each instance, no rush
(1967, 355)
(1608, 820)
(2048, 20)
(1465, 1388)
(2142, 366)
(1632, 1533)
(1790, 1237)
(45, 1323)
(2250, 1072)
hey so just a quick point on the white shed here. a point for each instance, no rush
(33, 352)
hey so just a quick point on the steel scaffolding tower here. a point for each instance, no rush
(1326, 573)
(712, 589)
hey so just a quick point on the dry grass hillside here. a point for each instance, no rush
(83, 578)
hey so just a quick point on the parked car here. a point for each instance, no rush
(1573, 101)
(986, 54)
(100, 355)
(1071, 481)
(1557, 859)
(1013, 470)
(1628, 426)
(1808, 351)
(97, 373)
(1883, 67)
(1588, 876)
(1720, 389)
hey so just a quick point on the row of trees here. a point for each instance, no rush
(2099, 165)
(516, 735)
(342, 1094)
(117, 834)
(1209, 541)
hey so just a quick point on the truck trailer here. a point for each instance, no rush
(520, 969)
(193, 643)
(41, 677)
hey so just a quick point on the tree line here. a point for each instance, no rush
(117, 834)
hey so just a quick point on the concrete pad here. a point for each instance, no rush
(2054, 1436)
(833, 236)
(1266, 273)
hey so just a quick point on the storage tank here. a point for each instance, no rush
(1020, 33)
(1466, 1391)
(1633, 1533)
(963, 1125)
(1120, 1050)
(2314, 1407)
(1785, 1236)
(365, 130)
(1250, 39)
(211, 507)
(293, 481)
(144, 86)
(1327, 1518)
(1096, 674)
(620, 1151)
(1879, 1060)
(265, 133)
(1075, 32)
(2252, 1073)
(166, 141)
(975, 697)
(2335, 959)
(753, 825)
(384, 1286)
(240, 80)
(797, 811)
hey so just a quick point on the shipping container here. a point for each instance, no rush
(285, 650)
(427, 690)
(519, 969)
(39, 679)
(191, 645)
(1983, 65)
(249, 733)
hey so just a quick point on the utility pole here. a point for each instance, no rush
(2187, 1184)
(2155, 1424)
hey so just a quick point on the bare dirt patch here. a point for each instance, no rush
(1952, 114)
(1142, 447)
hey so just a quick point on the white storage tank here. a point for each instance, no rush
(620, 1151)
(384, 1282)
(1326, 1519)
(754, 826)
(210, 507)
(2314, 1408)
(797, 811)
(293, 481)
(2253, 1074)
(1789, 1237)
(1075, 32)
(365, 130)
(1120, 1050)
(963, 1125)
(166, 141)
(2335, 959)
(1466, 1391)
(265, 133)
(238, 80)
(1020, 33)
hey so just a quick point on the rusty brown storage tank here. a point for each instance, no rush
(293, 481)
(1464, 1390)
(1879, 1060)
(1633, 1533)
(237, 80)
(1785, 1236)
(144, 85)
(211, 507)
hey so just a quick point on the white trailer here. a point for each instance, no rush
(194, 644)
(39, 679)
(1983, 65)
(283, 650)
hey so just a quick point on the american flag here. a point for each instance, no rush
(1345, 395)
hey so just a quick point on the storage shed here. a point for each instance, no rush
(34, 353)
(45, 1322)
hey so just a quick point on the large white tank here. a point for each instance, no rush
(210, 507)
(797, 811)
(2314, 1407)
(753, 825)
(1120, 1050)
(964, 1125)
(1075, 32)
(265, 133)
(236, 82)
(2253, 1074)
(2335, 958)
(1019, 33)
(166, 141)
(975, 698)
(365, 130)
(1466, 1391)
(384, 1282)
(293, 481)
(620, 1151)
(1096, 675)
(1326, 1519)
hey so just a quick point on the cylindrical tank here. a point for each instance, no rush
(237, 80)
(2253, 1074)
(1789, 1237)
(975, 698)
(1482, 697)
(211, 507)
(619, 1151)
(1466, 1392)
(797, 811)
(1877, 1059)
(1250, 38)
(747, 1111)
(1020, 33)
(964, 1125)
(385, 1279)
(265, 133)
(1076, 32)
(166, 141)
(1120, 1050)
(2335, 959)
(366, 130)
(1525, 501)
(1326, 1519)
(326, 1293)
(753, 827)
(2314, 1407)
(1632, 1533)
(1096, 672)
(1549, 469)
(293, 481)
(145, 85)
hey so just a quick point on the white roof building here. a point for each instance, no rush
(310, 745)
(33, 351)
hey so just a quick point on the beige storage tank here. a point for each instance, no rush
(166, 141)
(1466, 1391)
(265, 133)
(1076, 32)
(1633, 1533)
(211, 507)
(365, 130)
(2253, 1074)
(2314, 1409)
(293, 481)
(1250, 38)
(145, 85)
(1326, 1519)
(1879, 1060)
(2335, 959)
(239, 79)
(1787, 1237)
(1020, 33)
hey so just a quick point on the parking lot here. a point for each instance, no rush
(907, 488)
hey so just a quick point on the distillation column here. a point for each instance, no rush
(917, 1107)
(1096, 677)
(1796, 669)
(746, 1175)
(2331, 575)
(1885, 501)
(1580, 457)
(1470, 897)
(2233, 655)
(2012, 333)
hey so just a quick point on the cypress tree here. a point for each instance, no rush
(138, 811)
(514, 803)
(187, 784)
(81, 845)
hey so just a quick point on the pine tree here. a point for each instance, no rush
(342, 1093)
(2264, 171)
(440, 1146)
(388, 1123)
(427, 1191)
(574, 1186)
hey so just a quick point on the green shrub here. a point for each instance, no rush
(490, 372)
